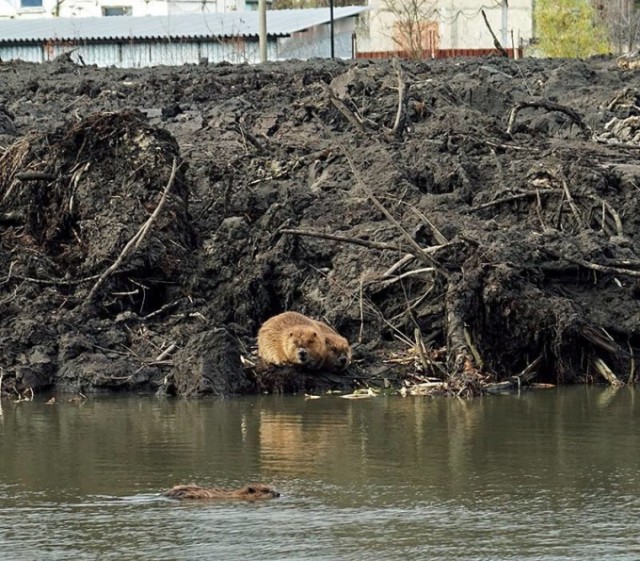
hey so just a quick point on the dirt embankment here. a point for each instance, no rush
(151, 219)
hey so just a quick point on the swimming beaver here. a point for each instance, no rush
(251, 492)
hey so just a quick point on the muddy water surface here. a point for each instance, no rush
(550, 475)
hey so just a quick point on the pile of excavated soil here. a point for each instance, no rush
(457, 220)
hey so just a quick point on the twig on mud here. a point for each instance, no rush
(419, 253)
(606, 372)
(632, 365)
(5, 281)
(612, 212)
(420, 349)
(246, 135)
(509, 146)
(513, 198)
(361, 306)
(161, 310)
(549, 106)
(35, 176)
(59, 282)
(572, 204)
(499, 168)
(1, 378)
(593, 266)
(474, 350)
(539, 210)
(136, 240)
(164, 354)
(344, 239)
(496, 43)
(398, 265)
(389, 282)
(340, 106)
(437, 234)
(398, 125)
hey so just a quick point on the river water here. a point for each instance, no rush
(546, 475)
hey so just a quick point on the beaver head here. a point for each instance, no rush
(305, 346)
(338, 352)
(257, 491)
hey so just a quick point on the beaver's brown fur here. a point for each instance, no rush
(291, 338)
(337, 349)
(251, 492)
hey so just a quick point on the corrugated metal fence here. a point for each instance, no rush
(132, 54)
(436, 53)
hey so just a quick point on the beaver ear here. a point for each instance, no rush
(290, 333)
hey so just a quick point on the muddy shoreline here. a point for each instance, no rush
(152, 219)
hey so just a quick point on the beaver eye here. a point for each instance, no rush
(251, 490)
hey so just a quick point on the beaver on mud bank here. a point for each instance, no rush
(480, 222)
(250, 492)
(291, 338)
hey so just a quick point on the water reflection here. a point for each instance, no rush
(500, 477)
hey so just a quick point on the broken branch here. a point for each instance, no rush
(343, 239)
(340, 106)
(398, 125)
(496, 43)
(549, 106)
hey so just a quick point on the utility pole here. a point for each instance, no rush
(505, 22)
(333, 48)
(262, 29)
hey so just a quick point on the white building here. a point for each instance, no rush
(96, 8)
(441, 26)
(132, 42)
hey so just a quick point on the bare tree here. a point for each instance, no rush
(415, 26)
(622, 19)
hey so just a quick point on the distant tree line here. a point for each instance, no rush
(580, 28)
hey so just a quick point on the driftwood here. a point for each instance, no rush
(601, 366)
(515, 382)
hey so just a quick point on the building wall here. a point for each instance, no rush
(316, 42)
(459, 23)
(97, 8)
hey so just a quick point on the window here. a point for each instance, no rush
(31, 3)
(115, 10)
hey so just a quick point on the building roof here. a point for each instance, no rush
(189, 26)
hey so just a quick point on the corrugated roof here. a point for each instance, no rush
(235, 24)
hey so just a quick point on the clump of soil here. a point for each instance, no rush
(464, 221)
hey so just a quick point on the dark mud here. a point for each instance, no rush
(151, 219)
